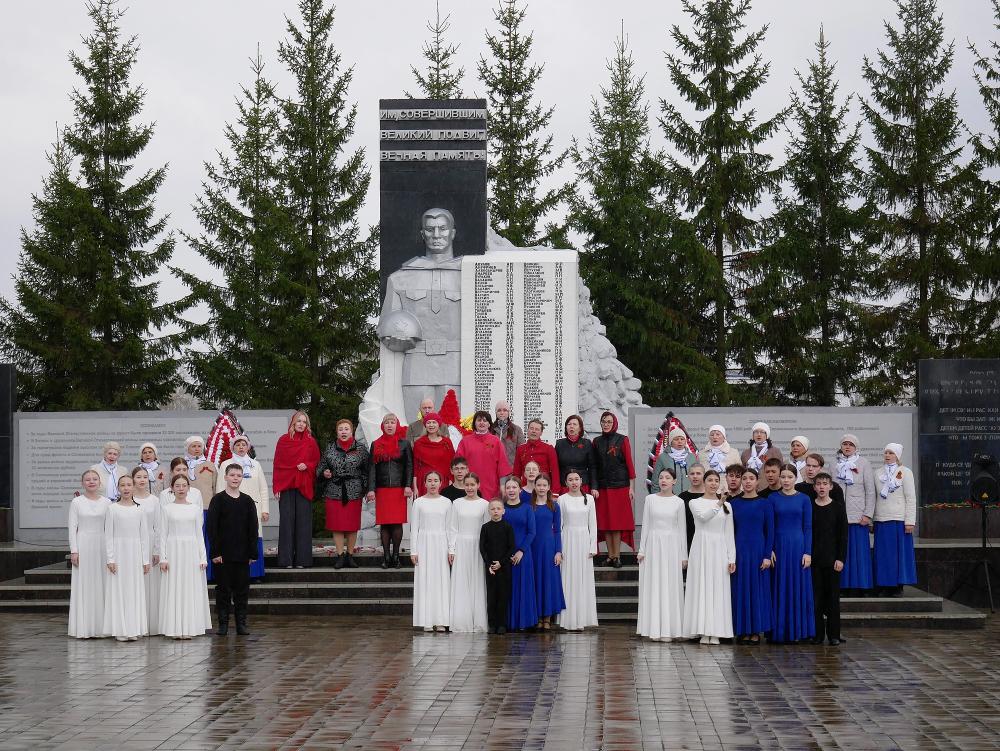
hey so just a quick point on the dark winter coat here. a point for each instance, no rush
(395, 473)
(350, 472)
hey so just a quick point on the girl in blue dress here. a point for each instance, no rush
(753, 518)
(522, 612)
(546, 552)
(792, 593)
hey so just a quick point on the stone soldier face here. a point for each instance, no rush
(438, 234)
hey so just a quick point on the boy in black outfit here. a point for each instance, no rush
(459, 469)
(829, 549)
(232, 537)
(496, 546)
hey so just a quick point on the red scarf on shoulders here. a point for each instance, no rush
(386, 447)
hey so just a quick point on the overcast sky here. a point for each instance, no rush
(194, 55)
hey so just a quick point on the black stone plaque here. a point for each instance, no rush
(432, 155)
(958, 417)
(8, 402)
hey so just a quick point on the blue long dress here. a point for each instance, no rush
(523, 609)
(792, 592)
(754, 523)
(548, 578)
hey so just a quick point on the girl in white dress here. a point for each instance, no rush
(126, 540)
(429, 521)
(150, 506)
(708, 607)
(179, 467)
(86, 555)
(468, 584)
(662, 556)
(184, 609)
(578, 513)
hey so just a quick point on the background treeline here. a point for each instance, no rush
(724, 274)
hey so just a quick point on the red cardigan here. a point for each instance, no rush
(543, 455)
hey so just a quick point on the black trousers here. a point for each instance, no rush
(497, 597)
(295, 529)
(232, 582)
(826, 594)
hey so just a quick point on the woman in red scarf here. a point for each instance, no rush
(344, 467)
(613, 475)
(295, 460)
(390, 477)
(432, 452)
(486, 455)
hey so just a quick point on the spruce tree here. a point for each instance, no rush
(439, 81)
(923, 193)
(98, 245)
(725, 175)
(646, 270)
(521, 152)
(803, 338)
(328, 282)
(982, 326)
(249, 354)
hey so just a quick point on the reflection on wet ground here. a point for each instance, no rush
(373, 683)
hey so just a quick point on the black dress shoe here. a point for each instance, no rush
(396, 562)
(386, 560)
(349, 560)
(341, 560)
(616, 562)
(501, 631)
(834, 642)
(818, 641)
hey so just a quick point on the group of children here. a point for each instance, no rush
(521, 562)
(139, 562)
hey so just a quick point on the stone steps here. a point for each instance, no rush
(371, 590)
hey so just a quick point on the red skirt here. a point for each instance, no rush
(343, 517)
(390, 506)
(614, 514)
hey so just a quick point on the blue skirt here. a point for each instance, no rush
(208, 548)
(792, 616)
(751, 590)
(857, 573)
(895, 563)
(257, 568)
(548, 579)
(523, 609)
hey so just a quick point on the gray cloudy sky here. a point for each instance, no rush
(195, 54)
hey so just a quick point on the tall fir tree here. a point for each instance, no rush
(923, 193)
(521, 149)
(98, 245)
(250, 356)
(803, 338)
(646, 270)
(328, 289)
(725, 174)
(441, 80)
(982, 327)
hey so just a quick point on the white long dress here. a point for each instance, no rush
(708, 607)
(87, 580)
(126, 540)
(579, 539)
(661, 582)
(194, 497)
(184, 609)
(468, 572)
(151, 510)
(429, 521)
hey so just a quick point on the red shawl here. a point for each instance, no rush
(428, 456)
(386, 447)
(290, 452)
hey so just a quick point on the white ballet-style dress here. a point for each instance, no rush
(87, 580)
(184, 608)
(468, 572)
(708, 608)
(663, 545)
(429, 520)
(151, 509)
(579, 539)
(126, 540)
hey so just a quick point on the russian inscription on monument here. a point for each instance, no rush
(959, 417)
(520, 325)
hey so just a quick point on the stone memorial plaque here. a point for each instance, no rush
(432, 154)
(8, 401)
(823, 426)
(959, 417)
(54, 449)
(519, 335)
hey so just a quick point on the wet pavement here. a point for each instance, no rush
(374, 683)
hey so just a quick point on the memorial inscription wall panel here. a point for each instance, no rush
(519, 335)
(959, 417)
(54, 449)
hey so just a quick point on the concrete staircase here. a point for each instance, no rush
(370, 590)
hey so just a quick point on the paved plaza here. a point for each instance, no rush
(374, 683)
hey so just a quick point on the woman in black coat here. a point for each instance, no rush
(575, 452)
(390, 481)
(343, 475)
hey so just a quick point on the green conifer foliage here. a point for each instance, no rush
(440, 80)
(646, 270)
